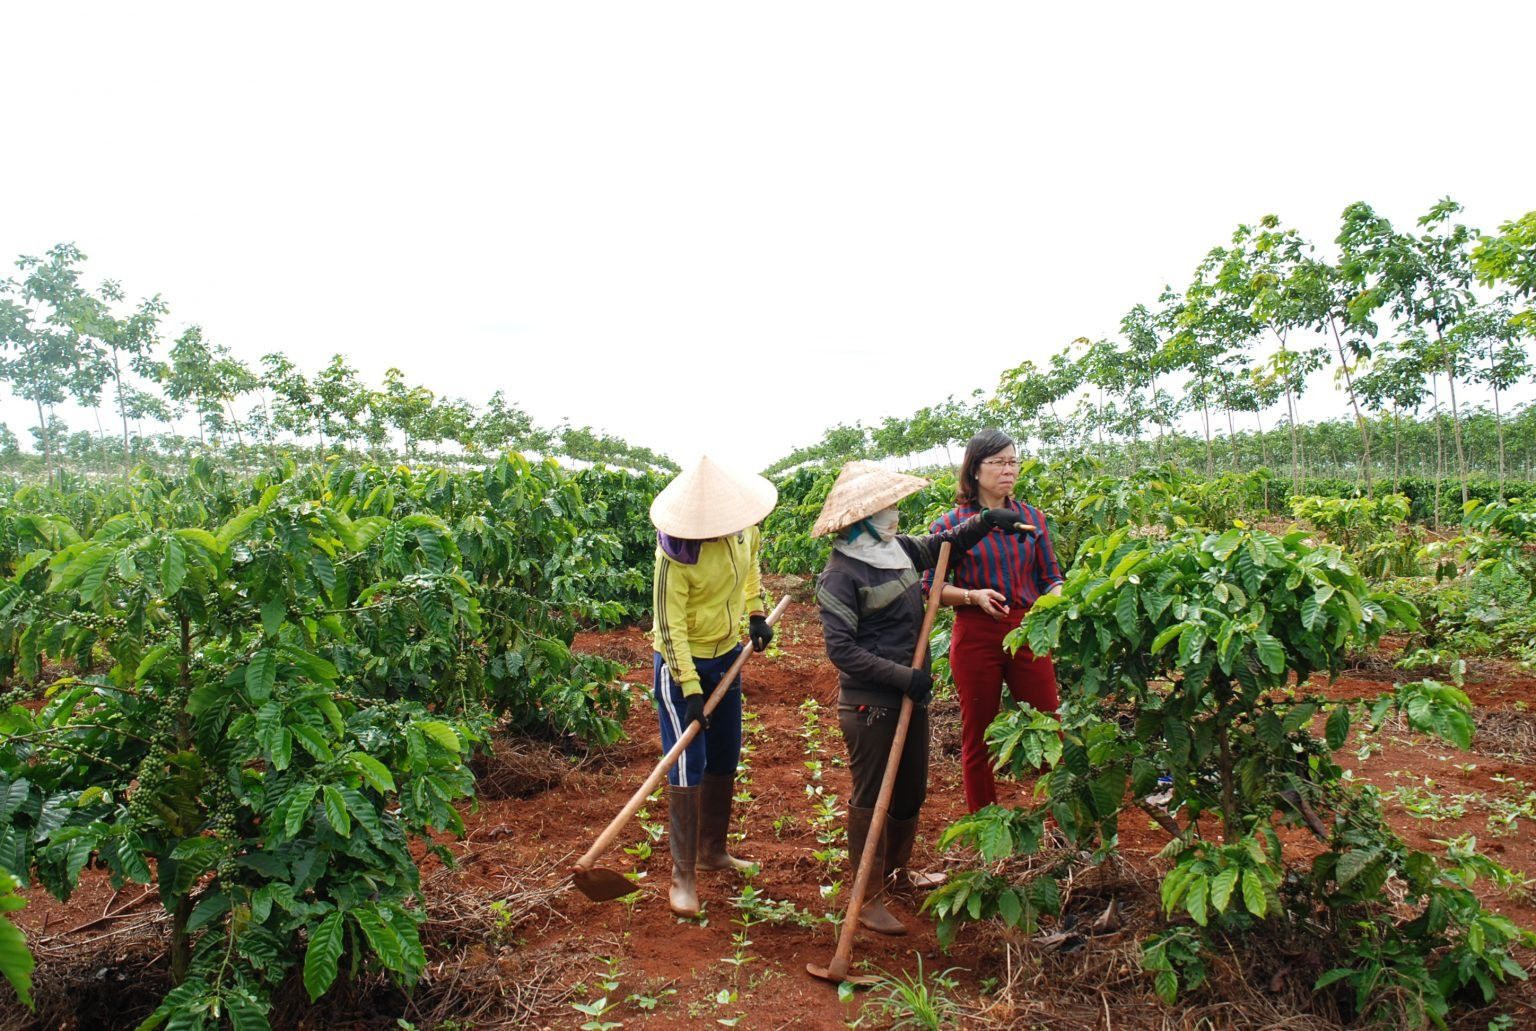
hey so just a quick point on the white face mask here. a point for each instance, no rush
(880, 551)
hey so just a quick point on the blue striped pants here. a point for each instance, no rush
(718, 749)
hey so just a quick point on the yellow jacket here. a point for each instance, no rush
(698, 608)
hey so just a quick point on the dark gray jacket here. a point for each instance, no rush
(871, 617)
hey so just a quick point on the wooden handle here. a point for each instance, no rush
(636, 800)
(839, 966)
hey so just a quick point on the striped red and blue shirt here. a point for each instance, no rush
(1021, 567)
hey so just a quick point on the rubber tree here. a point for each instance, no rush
(1030, 394)
(1396, 379)
(1437, 262)
(950, 423)
(41, 346)
(1264, 257)
(110, 339)
(503, 426)
(1196, 349)
(341, 400)
(1316, 298)
(294, 406)
(1509, 258)
(1145, 352)
(1224, 287)
(208, 378)
(1103, 370)
(1424, 280)
(1493, 331)
(408, 408)
(891, 438)
(80, 314)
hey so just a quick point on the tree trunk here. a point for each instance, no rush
(1231, 818)
(1434, 392)
(1498, 418)
(1461, 454)
(1205, 414)
(1290, 417)
(1302, 440)
(1232, 438)
(42, 425)
(1258, 419)
(239, 440)
(181, 944)
(101, 438)
(1397, 444)
(1098, 423)
(122, 409)
(1349, 383)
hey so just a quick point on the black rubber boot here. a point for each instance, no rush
(899, 836)
(873, 913)
(716, 792)
(683, 815)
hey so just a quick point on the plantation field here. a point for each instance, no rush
(318, 748)
(510, 943)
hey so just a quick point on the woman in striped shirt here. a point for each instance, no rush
(992, 586)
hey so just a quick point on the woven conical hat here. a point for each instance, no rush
(862, 489)
(710, 500)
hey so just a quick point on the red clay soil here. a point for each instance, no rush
(552, 951)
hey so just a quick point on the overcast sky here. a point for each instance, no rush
(725, 226)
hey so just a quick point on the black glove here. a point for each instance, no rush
(1005, 519)
(920, 687)
(761, 633)
(693, 712)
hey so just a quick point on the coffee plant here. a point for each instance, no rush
(253, 696)
(1482, 599)
(1374, 532)
(15, 960)
(1190, 658)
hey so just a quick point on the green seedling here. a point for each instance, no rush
(650, 1003)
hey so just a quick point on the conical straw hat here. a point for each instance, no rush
(862, 489)
(709, 500)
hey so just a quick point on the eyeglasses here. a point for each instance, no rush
(1001, 463)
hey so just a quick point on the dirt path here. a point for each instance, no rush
(653, 951)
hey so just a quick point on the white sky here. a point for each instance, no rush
(718, 225)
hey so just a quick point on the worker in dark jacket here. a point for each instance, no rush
(871, 600)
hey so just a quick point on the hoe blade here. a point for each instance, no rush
(601, 885)
(826, 974)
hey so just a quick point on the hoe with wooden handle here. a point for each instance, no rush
(601, 885)
(837, 970)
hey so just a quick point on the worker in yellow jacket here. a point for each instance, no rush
(706, 579)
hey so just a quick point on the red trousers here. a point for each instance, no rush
(981, 666)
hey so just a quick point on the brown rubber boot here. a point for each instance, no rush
(873, 913)
(683, 815)
(715, 794)
(899, 836)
